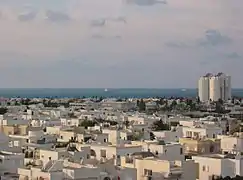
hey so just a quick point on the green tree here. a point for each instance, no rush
(3, 110)
(126, 123)
(220, 101)
(141, 105)
(239, 128)
(219, 107)
(87, 123)
(160, 126)
(173, 104)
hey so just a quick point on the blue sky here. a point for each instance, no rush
(119, 43)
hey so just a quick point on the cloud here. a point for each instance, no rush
(119, 19)
(176, 45)
(214, 38)
(55, 16)
(233, 55)
(146, 2)
(27, 16)
(98, 23)
(104, 21)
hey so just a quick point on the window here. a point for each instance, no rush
(103, 153)
(211, 148)
(156, 152)
(214, 136)
(181, 151)
(148, 172)
(61, 137)
(204, 168)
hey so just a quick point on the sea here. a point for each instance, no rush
(107, 93)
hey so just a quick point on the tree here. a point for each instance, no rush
(220, 101)
(173, 104)
(126, 123)
(219, 107)
(239, 128)
(3, 110)
(137, 136)
(87, 123)
(112, 123)
(160, 126)
(141, 105)
(160, 101)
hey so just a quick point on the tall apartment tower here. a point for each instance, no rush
(214, 87)
(203, 87)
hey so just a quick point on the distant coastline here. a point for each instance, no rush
(102, 92)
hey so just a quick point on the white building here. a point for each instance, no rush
(215, 165)
(9, 161)
(163, 150)
(201, 131)
(214, 87)
(231, 144)
(203, 87)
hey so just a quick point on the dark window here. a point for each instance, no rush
(211, 148)
(181, 151)
(148, 172)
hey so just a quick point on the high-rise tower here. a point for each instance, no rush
(214, 87)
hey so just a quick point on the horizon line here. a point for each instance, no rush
(3, 88)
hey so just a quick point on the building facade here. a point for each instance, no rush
(214, 87)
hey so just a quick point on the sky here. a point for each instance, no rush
(119, 43)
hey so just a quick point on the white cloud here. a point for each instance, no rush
(214, 38)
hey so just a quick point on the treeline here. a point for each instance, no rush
(3, 110)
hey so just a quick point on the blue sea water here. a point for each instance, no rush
(118, 93)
